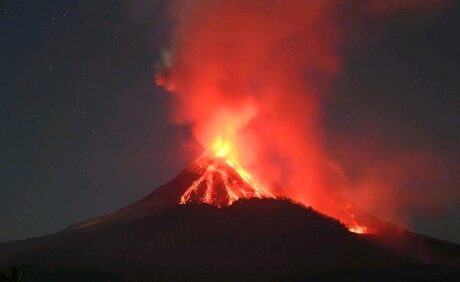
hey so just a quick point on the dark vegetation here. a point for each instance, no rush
(252, 240)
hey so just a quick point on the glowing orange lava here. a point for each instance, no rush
(222, 180)
(353, 226)
(360, 229)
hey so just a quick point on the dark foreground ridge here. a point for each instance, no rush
(251, 240)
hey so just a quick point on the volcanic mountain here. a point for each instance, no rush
(213, 223)
(211, 180)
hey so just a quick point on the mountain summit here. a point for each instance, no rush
(210, 180)
(221, 183)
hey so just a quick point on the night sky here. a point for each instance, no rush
(84, 130)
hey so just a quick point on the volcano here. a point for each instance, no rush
(210, 180)
(214, 223)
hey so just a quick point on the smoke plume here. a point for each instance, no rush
(255, 74)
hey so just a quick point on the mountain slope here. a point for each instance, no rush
(251, 240)
(251, 237)
(208, 180)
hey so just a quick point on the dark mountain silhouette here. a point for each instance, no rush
(169, 194)
(155, 239)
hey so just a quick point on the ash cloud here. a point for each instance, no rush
(260, 73)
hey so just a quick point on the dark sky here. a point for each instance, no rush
(84, 131)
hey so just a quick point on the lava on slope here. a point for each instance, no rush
(220, 180)
(212, 179)
(220, 183)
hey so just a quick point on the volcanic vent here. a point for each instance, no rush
(221, 182)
